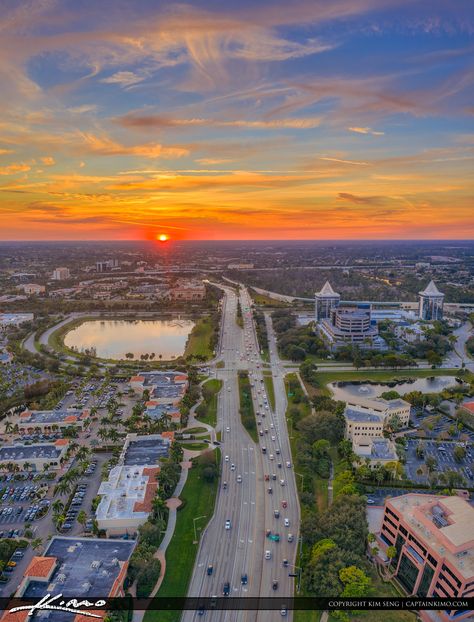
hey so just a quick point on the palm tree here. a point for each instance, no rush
(103, 433)
(82, 453)
(27, 466)
(8, 427)
(82, 518)
(36, 543)
(57, 506)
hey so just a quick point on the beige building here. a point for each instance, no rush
(189, 291)
(61, 274)
(384, 408)
(32, 289)
(47, 421)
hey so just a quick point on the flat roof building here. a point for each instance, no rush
(82, 568)
(36, 456)
(166, 387)
(434, 540)
(126, 498)
(30, 421)
(145, 450)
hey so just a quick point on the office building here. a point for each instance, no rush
(434, 540)
(107, 265)
(347, 326)
(325, 301)
(61, 274)
(431, 302)
(32, 289)
(47, 421)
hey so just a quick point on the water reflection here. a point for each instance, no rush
(346, 390)
(115, 338)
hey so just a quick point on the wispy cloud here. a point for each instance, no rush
(365, 130)
(157, 121)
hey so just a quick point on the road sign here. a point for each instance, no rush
(292, 574)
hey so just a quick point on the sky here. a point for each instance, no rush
(268, 119)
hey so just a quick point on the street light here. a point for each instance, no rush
(298, 574)
(195, 541)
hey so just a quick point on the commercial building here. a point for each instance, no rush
(385, 409)
(350, 326)
(128, 493)
(61, 274)
(377, 451)
(32, 289)
(47, 421)
(434, 540)
(431, 302)
(189, 291)
(107, 265)
(164, 387)
(126, 498)
(81, 568)
(156, 411)
(325, 301)
(14, 319)
(36, 456)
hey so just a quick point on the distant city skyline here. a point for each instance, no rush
(274, 120)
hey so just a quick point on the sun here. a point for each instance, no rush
(162, 237)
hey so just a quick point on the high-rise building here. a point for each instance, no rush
(431, 303)
(61, 274)
(106, 265)
(325, 301)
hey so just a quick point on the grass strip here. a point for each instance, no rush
(247, 414)
(199, 497)
(268, 381)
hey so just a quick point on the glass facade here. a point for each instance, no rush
(427, 577)
(407, 574)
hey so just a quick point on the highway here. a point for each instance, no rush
(248, 504)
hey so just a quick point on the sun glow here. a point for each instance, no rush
(162, 237)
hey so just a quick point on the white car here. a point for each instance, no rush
(239, 479)
(228, 524)
(232, 467)
(268, 554)
(227, 429)
(288, 464)
(286, 522)
(227, 458)
(282, 482)
(273, 438)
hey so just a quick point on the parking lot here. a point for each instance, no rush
(443, 455)
(16, 376)
(436, 425)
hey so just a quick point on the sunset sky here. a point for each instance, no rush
(236, 120)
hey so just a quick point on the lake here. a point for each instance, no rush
(347, 390)
(112, 339)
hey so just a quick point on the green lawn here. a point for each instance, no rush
(210, 407)
(247, 413)
(195, 431)
(199, 499)
(199, 340)
(268, 380)
(266, 301)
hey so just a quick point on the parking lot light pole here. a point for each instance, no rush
(195, 541)
(302, 480)
(298, 573)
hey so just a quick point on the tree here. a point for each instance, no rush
(82, 518)
(391, 554)
(356, 582)
(36, 543)
(459, 453)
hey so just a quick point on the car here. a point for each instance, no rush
(270, 491)
(210, 570)
(228, 524)
(276, 513)
(273, 438)
(286, 522)
(288, 464)
(283, 612)
(268, 554)
(227, 429)
(370, 501)
(272, 457)
(274, 476)
(224, 485)
(244, 579)
(232, 467)
(239, 479)
(201, 610)
(284, 504)
(285, 563)
(260, 431)
(290, 537)
(11, 564)
(267, 478)
(226, 589)
(274, 585)
(227, 458)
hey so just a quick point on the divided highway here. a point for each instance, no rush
(257, 491)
